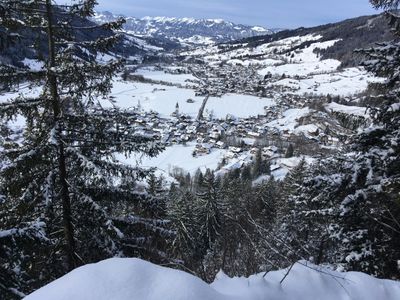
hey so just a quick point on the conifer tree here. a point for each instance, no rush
(61, 172)
(209, 209)
(286, 237)
(369, 213)
(257, 165)
(155, 205)
(289, 151)
(184, 245)
(357, 192)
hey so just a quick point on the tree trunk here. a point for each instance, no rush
(66, 201)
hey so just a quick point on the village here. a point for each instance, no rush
(241, 138)
(303, 119)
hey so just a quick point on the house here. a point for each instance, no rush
(235, 149)
(202, 149)
(253, 134)
(220, 145)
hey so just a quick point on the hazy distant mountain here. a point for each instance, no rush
(185, 30)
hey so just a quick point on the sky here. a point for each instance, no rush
(268, 13)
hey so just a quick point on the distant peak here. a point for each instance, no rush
(186, 29)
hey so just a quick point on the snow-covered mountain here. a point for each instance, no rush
(185, 30)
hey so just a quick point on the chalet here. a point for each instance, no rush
(269, 151)
(214, 135)
(275, 167)
(220, 145)
(202, 149)
(235, 149)
(254, 134)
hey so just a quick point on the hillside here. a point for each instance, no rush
(130, 46)
(361, 32)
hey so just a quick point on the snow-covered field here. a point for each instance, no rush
(178, 156)
(306, 62)
(351, 110)
(289, 119)
(134, 279)
(302, 69)
(344, 83)
(156, 75)
(163, 99)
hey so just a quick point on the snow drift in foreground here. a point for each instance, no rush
(130, 279)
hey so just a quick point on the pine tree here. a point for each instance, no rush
(369, 214)
(198, 179)
(209, 209)
(246, 173)
(290, 151)
(62, 173)
(257, 165)
(155, 205)
(356, 194)
(17, 248)
(288, 239)
(184, 245)
(237, 253)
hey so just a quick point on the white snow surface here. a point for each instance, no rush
(33, 64)
(163, 99)
(151, 73)
(351, 110)
(178, 156)
(134, 279)
(289, 119)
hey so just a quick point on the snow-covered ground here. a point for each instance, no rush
(306, 62)
(163, 99)
(134, 279)
(156, 75)
(344, 83)
(178, 156)
(289, 120)
(303, 69)
(351, 110)
(24, 91)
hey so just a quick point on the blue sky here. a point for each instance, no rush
(269, 13)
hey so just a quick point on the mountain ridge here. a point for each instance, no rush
(187, 31)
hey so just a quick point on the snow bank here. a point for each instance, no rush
(131, 279)
(126, 279)
(308, 282)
